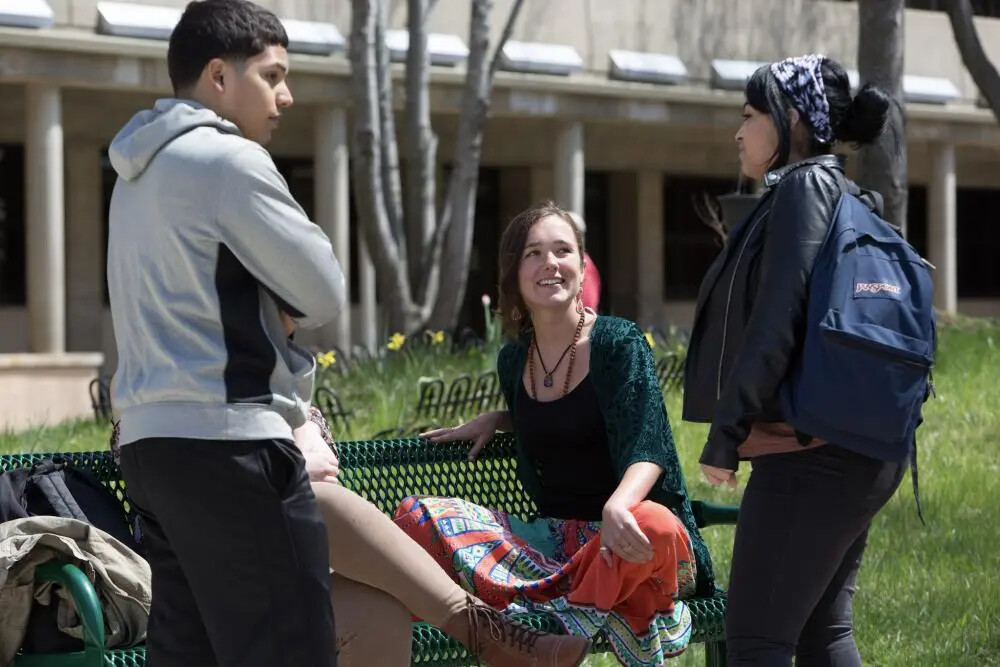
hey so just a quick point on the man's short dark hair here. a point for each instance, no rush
(227, 29)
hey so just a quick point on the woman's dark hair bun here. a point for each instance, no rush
(865, 119)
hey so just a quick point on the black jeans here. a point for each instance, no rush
(802, 530)
(238, 553)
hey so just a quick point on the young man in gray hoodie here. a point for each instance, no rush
(207, 253)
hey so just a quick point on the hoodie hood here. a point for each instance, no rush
(136, 144)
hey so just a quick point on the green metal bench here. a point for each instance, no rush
(384, 472)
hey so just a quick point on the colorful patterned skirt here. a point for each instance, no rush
(555, 566)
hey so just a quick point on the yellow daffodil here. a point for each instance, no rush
(650, 339)
(396, 341)
(326, 359)
(437, 337)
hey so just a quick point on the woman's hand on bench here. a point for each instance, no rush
(479, 431)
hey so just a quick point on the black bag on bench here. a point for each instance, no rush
(56, 488)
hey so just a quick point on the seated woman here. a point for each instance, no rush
(617, 544)
(381, 579)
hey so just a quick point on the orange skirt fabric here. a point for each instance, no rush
(555, 566)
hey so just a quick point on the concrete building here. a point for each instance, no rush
(631, 155)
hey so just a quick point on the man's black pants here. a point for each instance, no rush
(238, 552)
(802, 529)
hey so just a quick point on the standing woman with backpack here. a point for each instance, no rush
(808, 504)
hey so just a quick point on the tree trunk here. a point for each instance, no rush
(461, 202)
(880, 61)
(458, 216)
(413, 256)
(367, 168)
(392, 189)
(973, 56)
(421, 153)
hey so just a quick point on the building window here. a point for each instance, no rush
(978, 238)
(916, 218)
(299, 174)
(483, 270)
(978, 243)
(596, 203)
(690, 246)
(13, 290)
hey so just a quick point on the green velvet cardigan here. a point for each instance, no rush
(623, 372)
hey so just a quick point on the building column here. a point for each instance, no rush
(943, 232)
(85, 248)
(332, 195)
(46, 255)
(569, 167)
(649, 255)
(541, 187)
(366, 288)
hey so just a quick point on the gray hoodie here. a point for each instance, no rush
(206, 247)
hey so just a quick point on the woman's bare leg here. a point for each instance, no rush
(373, 628)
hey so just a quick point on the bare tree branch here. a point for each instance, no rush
(458, 216)
(366, 164)
(973, 56)
(390, 151)
(508, 30)
(421, 151)
(412, 292)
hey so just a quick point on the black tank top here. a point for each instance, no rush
(567, 441)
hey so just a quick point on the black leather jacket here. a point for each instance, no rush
(752, 303)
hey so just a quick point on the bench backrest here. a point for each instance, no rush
(383, 471)
(386, 471)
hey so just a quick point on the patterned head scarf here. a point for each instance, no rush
(801, 78)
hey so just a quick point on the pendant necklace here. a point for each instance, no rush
(547, 379)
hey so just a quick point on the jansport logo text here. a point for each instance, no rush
(876, 288)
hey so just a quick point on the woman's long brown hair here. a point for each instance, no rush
(511, 250)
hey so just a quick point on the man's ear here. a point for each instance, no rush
(215, 72)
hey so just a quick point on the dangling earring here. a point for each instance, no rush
(515, 314)
(579, 302)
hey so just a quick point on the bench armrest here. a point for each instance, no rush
(709, 514)
(84, 597)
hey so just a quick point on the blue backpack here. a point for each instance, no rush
(864, 368)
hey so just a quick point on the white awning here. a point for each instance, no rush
(925, 89)
(539, 58)
(26, 14)
(443, 49)
(733, 74)
(123, 19)
(929, 89)
(650, 67)
(313, 37)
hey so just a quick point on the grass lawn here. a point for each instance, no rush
(927, 595)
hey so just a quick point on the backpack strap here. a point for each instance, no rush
(916, 485)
